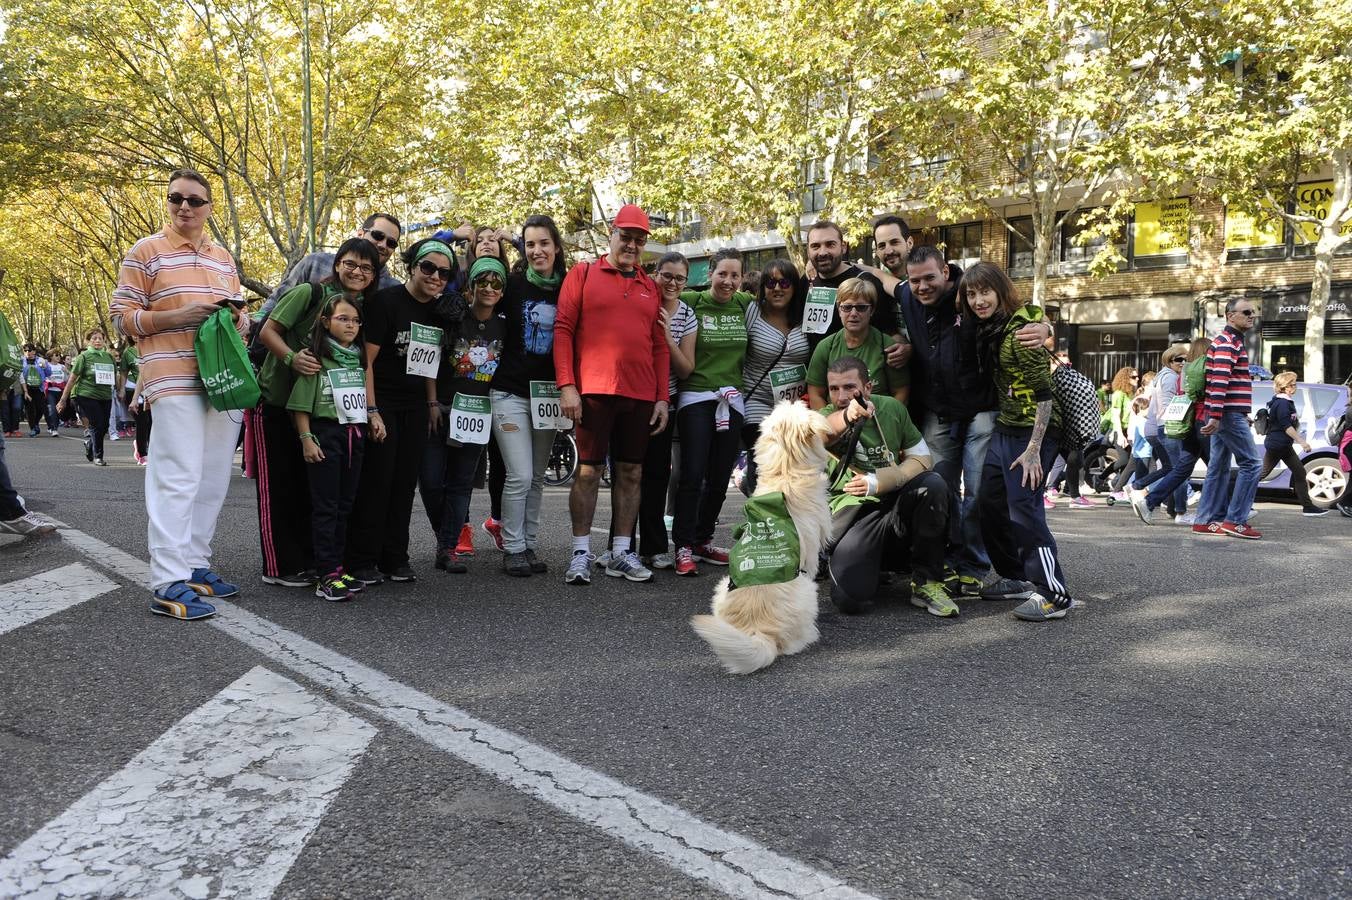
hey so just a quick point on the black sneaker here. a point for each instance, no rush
(89, 451)
(448, 561)
(1345, 509)
(332, 588)
(536, 565)
(304, 578)
(403, 573)
(516, 565)
(1313, 512)
(368, 576)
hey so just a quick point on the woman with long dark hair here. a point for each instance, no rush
(777, 353)
(279, 463)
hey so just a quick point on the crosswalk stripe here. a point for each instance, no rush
(30, 599)
(220, 804)
(728, 861)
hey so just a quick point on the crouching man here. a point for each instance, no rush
(886, 501)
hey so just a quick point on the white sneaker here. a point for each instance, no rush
(604, 559)
(112, 436)
(1143, 512)
(663, 561)
(28, 523)
(1185, 519)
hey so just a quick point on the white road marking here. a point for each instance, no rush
(728, 861)
(25, 601)
(124, 564)
(219, 805)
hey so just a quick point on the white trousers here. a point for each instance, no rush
(191, 449)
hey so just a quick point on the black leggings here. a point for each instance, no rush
(96, 413)
(707, 459)
(1292, 459)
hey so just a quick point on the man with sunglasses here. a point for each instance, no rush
(826, 249)
(381, 229)
(1229, 398)
(169, 284)
(611, 363)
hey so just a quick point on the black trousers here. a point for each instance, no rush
(1292, 460)
(143, 426)
(37, 405)
(750, 434)
(96, 413)
(1013, 519)
(912, 520)
(333, 485)
(283, 492)
(497, 478)
(377, 530)
(707, 458)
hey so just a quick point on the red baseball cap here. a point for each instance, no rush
(631, 216)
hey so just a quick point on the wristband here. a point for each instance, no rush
(286, 360)
(310, 435)
(372, 409)
(433, 403)
(871, 479)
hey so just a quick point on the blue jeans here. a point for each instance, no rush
(959, 454)
(1232, 439)
(1176, 479)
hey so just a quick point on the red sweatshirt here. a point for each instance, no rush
(608, 338)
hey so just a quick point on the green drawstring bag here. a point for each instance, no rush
(11, 355)
(223, 363)
(767, 546)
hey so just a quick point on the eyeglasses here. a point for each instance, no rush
(194, 202)
(772, 283)
(638, 240)
(489, 281)
(429, 268)
(846, 308)
(346, 320)
(672, 277)
(381, 237)
(364, 268)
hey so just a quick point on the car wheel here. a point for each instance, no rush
(1326, 480)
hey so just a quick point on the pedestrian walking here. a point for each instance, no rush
(1283, 434)
(92, 376)
(1229, 396)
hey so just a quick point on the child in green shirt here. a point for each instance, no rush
(92, 376)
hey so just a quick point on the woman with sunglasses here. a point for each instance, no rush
(856, 300)
(1183, 452)
(530, 304)
(710, 412)
(777, 353)
(1125, 384)
(406, 328)
(446, 479)
(270, 437)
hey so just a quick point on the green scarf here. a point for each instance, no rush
(347, 356)
(544, 282)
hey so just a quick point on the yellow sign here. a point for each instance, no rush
(1246, 232)
(1313, 200)
(1162, 228)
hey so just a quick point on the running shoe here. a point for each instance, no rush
(402, 574)
(465, 546)
(685, 562)
(353, 586)
(662, 561)
(628, 567)
(179, 601)
(1240, 531)
(33, 433)
(1208, 528)
(1185, 519)
(1313, 512)
(718, 556)
(579, 568)
(956, 585)
(1081, 503)
(369, 576)
(331, 587)
(28, 523)
(304, 578)
(493, 528)
(537, 565)
(1038, 608)
(1048, 502)
(1345, 509)
(1008, 589)
(99, 461)
(114, 436)
(516, 565)
(1141, 508)
(209, 584)
(450, 561)
(932, 597)
(1118, 497)
(55, 432)
(604, 559)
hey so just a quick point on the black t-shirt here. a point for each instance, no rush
(528, 347)
(387, 319)
(885, 317)
(472, 355)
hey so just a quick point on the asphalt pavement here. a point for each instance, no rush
(1184, 733)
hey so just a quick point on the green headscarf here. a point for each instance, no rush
(487, 265)
(434, 247)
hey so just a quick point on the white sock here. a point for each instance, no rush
(582, 544)
(620, 546)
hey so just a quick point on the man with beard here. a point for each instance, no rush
(381, 229)
(955, 405)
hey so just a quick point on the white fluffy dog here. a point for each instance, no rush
(752, 625)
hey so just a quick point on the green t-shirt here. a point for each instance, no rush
(884, 379)
(313, 394)
(720, 345)
(295, 313)
(883, 442)
(131, 364)
(84, 371)
(33, 375)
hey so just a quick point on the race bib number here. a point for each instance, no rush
(103, 373)
(470, 419)
(349, 395)
(821, 306)
(788, 384)
(424, 350)
(1177, 409)
(546, 409)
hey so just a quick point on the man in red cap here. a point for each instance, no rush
(611, 361)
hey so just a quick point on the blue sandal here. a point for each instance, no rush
(209, 584)
(179, 601)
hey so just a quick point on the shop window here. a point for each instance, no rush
(961, 243)
(814, 186)
(1160, 233)
(1021, 247)
(1248, 237)
(1079, 246)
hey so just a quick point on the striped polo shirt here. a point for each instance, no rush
(163, 272)
(1229, 386)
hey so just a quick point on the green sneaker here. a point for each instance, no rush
(932, 596)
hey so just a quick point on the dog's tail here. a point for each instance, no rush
(740, 653)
